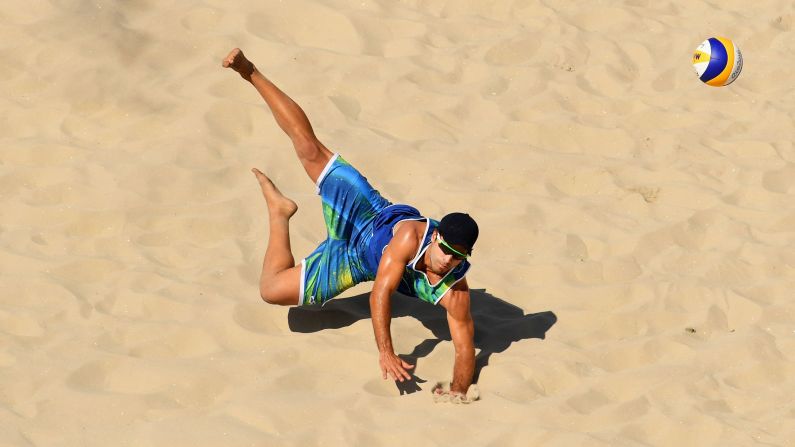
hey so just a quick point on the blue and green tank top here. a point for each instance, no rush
(414, 282)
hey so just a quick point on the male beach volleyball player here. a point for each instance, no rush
(368, 239)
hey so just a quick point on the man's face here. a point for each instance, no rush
(443, 259)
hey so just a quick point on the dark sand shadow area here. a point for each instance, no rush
(498, 324)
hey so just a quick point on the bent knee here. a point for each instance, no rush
(277, 295)
(268, 298)
(311, 151)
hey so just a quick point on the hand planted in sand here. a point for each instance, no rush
(393, 366)
(441, 393)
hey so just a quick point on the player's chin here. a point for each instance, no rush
(444, 268)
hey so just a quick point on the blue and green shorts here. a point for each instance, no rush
(350, 205)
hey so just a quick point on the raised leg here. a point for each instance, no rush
(291, 118)
(280, 280)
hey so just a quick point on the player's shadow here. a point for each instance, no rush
(497, 324)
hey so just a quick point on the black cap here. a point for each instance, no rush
(459, 229)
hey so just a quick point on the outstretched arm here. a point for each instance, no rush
(390, 270)
(462, 330)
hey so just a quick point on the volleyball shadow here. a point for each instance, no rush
(498, 324)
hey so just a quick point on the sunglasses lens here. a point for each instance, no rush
(446, 249)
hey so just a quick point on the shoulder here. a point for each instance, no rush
(409, 232)
(407, 239)
(416, 227)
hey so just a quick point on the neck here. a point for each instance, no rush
(424, 261)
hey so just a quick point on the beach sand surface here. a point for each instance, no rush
(632, 284)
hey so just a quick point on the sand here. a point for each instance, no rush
(632, 285)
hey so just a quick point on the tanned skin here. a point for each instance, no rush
(435, 263)
(280, 277)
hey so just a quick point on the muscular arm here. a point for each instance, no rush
(390, 270)
(462, 330)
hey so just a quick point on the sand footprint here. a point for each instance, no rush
(588, 402)
(495, 86)
(780, 181)
(633, 409)
(91, 376)
(347, 105)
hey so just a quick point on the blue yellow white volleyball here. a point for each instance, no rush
(717, 61)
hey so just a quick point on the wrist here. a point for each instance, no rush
(384, 345)
(459, 387)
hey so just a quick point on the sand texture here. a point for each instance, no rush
(632, 285)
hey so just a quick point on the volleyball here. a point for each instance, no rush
(717, 61)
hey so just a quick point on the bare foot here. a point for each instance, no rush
(277, 202)
(237, 61)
